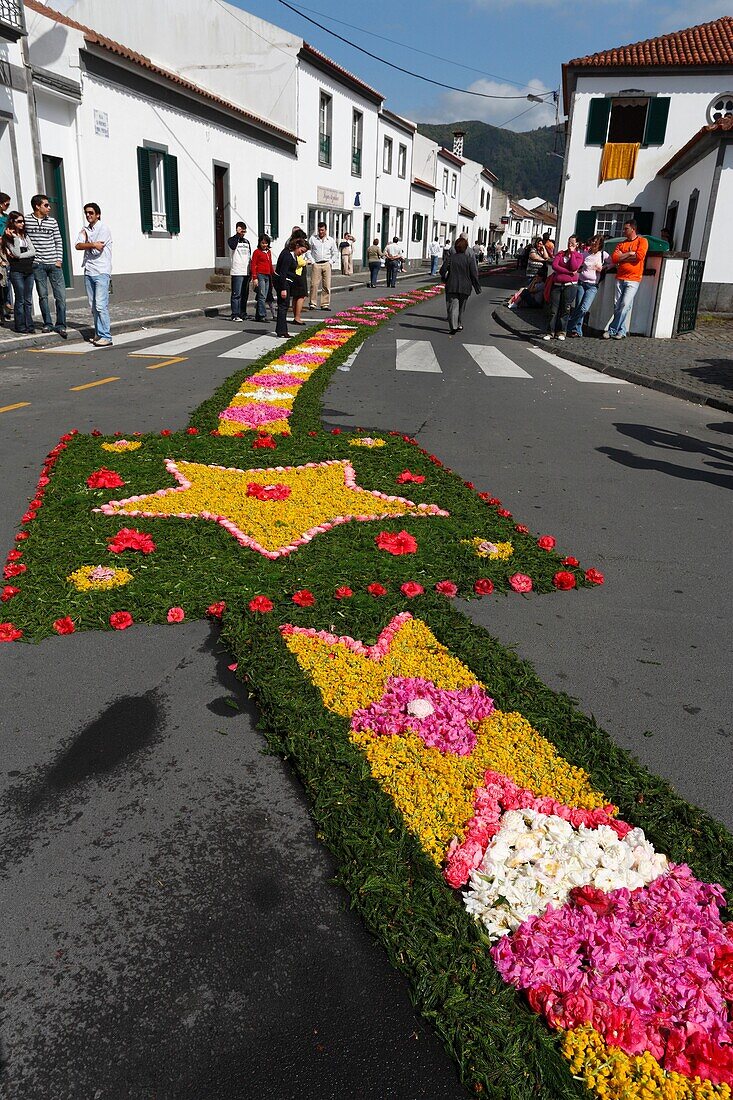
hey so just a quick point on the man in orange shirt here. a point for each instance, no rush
(629, 258)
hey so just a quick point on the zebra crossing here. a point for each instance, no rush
(417, 356)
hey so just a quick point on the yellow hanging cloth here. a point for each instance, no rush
(619, 160)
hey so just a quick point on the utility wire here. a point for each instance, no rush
(407, 72)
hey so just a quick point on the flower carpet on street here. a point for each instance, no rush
(555, 907)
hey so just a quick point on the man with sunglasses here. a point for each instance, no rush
(44, 232)
(96, 243)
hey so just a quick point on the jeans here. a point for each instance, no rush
(455, 305)
(240, 294)
(562, 300)
(98, 295)
(45, 274)
(23, 307)
(583, 301)
(392, 269)
(434, 264)
(281, 327)
(263, 290)
(374, 273)
(623, 302)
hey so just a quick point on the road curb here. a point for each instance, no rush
(505, 318)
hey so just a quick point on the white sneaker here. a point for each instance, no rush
(547, 336)
(606, 335)
(103, 343)
(561, 336)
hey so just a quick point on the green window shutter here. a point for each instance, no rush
(172, 211)
(585, 224)
(274, 210)
(644, 222)
(598, 114)
(143, 183)
(261, 185)
(656, 121)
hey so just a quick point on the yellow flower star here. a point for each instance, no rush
(306, 501)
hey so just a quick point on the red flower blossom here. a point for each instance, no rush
(447, 588)
(37, 502)
(131, 539)
(192, 431)
(570, 560)
(21, 536)
(335, 431)
(166, 431)
(483, 586)
(723, 969)
(263, 441)
(216, 610)
(407, 475)
(491, 500)
(504, 512)
(343, 592)
(521, 528)
(312, 433)
(262, 604)
(411, 589)
(15, 555)
(28, 517)
(14, 569)
(214, 431)
(104, 479)
(176, 615)
(9, 633)
(64, 626)
(546, 542)
(43, 481)
(520, 582)
(593, 898)
(564, 580)
(8, 592)
(469, 484)
(594, 577)
(68, 436)
(120, 620)
(304, 598)
(376, 589)
(435, 461)
(95, 432)
(401, 543)
(268, 492)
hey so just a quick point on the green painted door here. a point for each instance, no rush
(366, 238)
(385, 226)
(53, 180)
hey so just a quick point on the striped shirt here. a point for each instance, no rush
(46, 237)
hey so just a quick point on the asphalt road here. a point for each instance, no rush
(170, 928)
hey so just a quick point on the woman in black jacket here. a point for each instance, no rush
(286, 273)
(460, 275)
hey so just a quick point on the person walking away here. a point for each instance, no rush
(96, 243)
(565, 267)
(20, 254)
(628, 256)
(6, 291)
(323, 252)
(44, 232)
(261, 273)
(589, 279)
(374, 259)
(346, 248)
(459, 272)
(240, 271)
(285, 274)
(435, 252)
(393, 254)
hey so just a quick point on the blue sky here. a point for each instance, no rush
(507, 47)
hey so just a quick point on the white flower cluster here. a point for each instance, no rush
(536, 859)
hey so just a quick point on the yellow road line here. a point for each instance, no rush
(89, 385)
(163, 363)
(9, 408)
(54, 351)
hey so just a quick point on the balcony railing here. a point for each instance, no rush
(356, 162)
(324, 149)
(12, 23)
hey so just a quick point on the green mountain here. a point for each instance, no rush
(521, 161)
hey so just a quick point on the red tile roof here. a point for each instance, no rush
(722, 126)
(706, 44)
(94, 38)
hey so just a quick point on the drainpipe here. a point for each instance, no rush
(33, 114)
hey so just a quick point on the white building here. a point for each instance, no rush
(476, 187)
(394, 177)
(423, 226)
(638, 146)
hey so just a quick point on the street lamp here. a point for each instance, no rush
(535, 98)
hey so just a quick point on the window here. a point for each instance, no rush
(399, 225)
(517, 228)
(357, 132)
(337, 222)
(610, 222)
(627, 119)
(402, 161)
(387, 156)
(445, 181)
(721, 107)
(418, 222)
(481, 200)
(268, 214)
(690, 220)
(324, 130)
(157, 176)
(453, 185)
(670, 222)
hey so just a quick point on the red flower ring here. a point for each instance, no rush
(268, 492)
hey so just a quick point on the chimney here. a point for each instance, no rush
(458, 136)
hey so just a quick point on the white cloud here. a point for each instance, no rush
(679, 16)
(457, 106)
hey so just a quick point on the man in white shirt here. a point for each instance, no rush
(393, 255)
(323, 251)
(435, 251)
(241, 258)
(96, 243)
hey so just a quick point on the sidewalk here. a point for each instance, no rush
(697, 367)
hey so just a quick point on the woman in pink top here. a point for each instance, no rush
(589, 278)
(565, 267)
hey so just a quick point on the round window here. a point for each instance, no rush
(721, 107)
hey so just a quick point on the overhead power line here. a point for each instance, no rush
(399, 68)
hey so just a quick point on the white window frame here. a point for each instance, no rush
(157, 190)
(399, 223)
(453, 185)
(387, 155)
(325, 117)
(357, 139)
(402, 161)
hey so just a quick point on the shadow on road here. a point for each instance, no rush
(715, 456)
